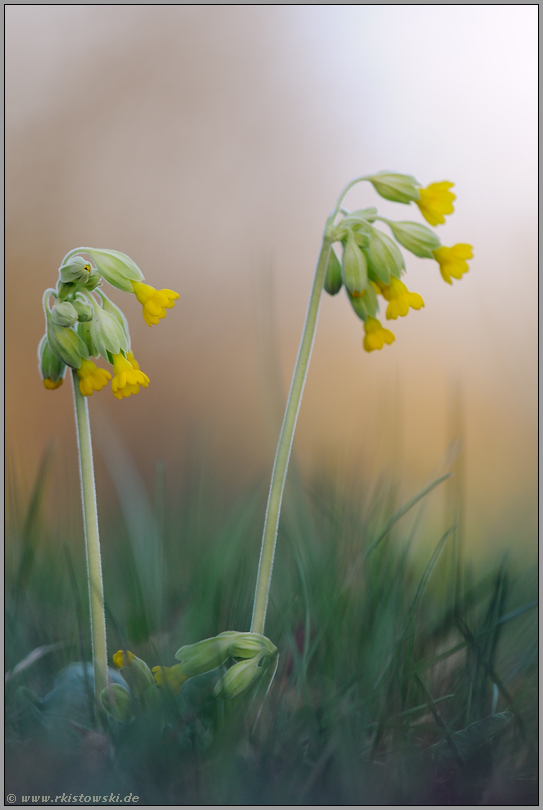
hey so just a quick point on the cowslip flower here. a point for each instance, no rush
(50, 385)
(127, 379)
(453, 261)
(400, 299)
(171, 677)
(123, 658)
(132, 360)
(376, 335)
(435, 201)
(91, 377)
(134, 670)
(154, 302)
(52, 369)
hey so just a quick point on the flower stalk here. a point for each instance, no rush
(92, 541)
(372, 264)
(284, 446)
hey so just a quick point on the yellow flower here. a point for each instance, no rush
(50, 385)
(435, 201)
(154, 302)
(122, 658)
(400, 299)
(132, 360)
(91, 377)
(127, 379)
(376, 335)
(135, 672)
(452, 261)
(172, 676)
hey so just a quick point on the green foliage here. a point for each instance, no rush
(403, 678)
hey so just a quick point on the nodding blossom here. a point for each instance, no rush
(83, 322)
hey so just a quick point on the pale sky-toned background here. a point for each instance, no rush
(209, 143)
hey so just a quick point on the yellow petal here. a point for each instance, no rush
(50, 385)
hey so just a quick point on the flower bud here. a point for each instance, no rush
(247, 645)
(65, 343)
(385, 256)
(361, 238)
(93, 281)
(417, 238)
(206, 655)
(84, 332)
(64, 313)
(118, 314)
(107, 333)
(117, 702)
(51, 368)
(240, 677)
(83, 309)
(135, 671)
(365, 305)
(116, 267)
(65, 290)
(332, 280)
(402, 188)
(354, 267)
(76, 269)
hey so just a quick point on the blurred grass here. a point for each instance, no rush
(393, 686)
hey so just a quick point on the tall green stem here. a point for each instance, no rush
(92, 542)
(284, 446)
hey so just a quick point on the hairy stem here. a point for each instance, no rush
(284, 445)
(92, 542)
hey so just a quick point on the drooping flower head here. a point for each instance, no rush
(83, 322)
(373, 263)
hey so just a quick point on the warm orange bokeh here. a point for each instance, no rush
(209, 143)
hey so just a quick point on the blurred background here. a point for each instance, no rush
(209, 143)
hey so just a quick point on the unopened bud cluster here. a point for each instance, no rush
(81, 322)
(251, 653)
(372, 263)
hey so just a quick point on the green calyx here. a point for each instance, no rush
(252, 653)
(402, 188)
(106, 332)
(333, 280)
(63, 341)
(385, 256)
(64, 314)
(417, 238)
(354, 268)
(115, 267)
(50, 366)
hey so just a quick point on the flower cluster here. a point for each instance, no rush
(253, 654)
(372, 263)
(254, 660)
(83, 322)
